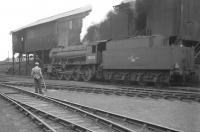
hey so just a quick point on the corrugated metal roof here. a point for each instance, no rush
(55, 17)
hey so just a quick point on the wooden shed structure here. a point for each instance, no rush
(40, 37)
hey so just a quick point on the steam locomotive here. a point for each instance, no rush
(141, 59)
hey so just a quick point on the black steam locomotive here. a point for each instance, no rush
(141, 59)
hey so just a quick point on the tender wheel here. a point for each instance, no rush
(86, 74)
(140, 80)
(127, 79)
(67, 77)
(162, 81)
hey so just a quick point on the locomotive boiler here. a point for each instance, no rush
(141, 59)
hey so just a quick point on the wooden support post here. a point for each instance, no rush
(26, 64)
(34, 58)
(28, 58)
(13, 63)
(43, 61)
(19, 63)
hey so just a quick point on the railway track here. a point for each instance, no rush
(124, 91)
(71, 117)
(33, 118)
(75, 117)
(117, 85)
(118, 118)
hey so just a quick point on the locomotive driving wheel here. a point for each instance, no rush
(86, 74)
(76, 75)
(140, 79)
(67, 77)
(60, 76)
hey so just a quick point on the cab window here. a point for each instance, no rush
(93, 48)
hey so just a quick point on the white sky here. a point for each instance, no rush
(18, 13)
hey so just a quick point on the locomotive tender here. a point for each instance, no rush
(140, 59)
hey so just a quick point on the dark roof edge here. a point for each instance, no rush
(87, 8)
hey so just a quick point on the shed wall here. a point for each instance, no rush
(41, 37)
(69, 31)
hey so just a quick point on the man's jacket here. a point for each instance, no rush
(36, 72)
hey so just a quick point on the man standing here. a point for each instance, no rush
(36, 73)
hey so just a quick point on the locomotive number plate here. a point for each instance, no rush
(92, 57)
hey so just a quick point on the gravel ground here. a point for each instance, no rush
(13, 121)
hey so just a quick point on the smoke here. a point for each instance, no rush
(98, 13)
(142, 8)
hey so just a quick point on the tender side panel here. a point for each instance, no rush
(157, 58)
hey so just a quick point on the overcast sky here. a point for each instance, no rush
(18, 13)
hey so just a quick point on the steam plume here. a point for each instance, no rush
(98, 14)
